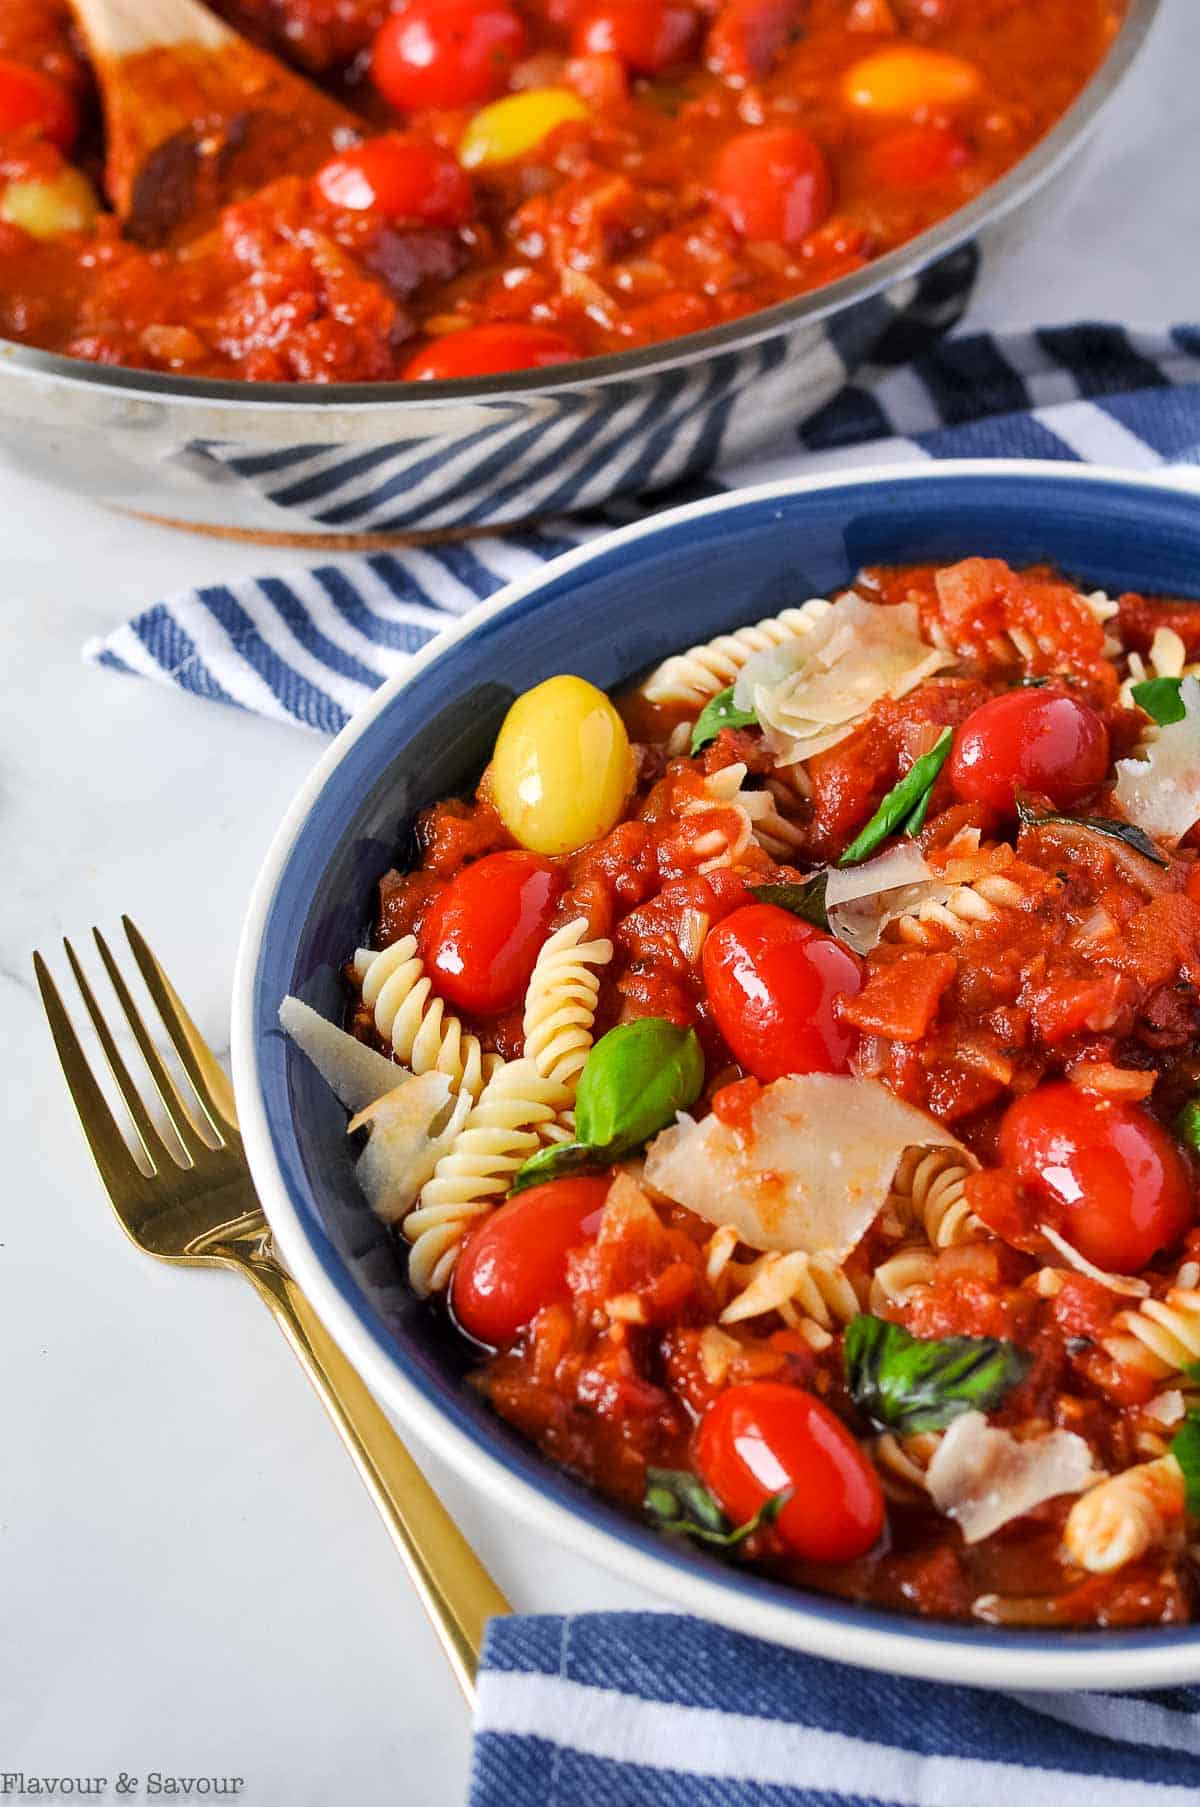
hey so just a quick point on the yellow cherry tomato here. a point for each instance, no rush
(51, 208)
(508, 128)
(562, 768)
(908, 80)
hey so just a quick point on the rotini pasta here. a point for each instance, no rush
(928, 1192)
(499, 1135)
(424, 1035)
(1159, 1337)
(1123, 1517)
(901, 1274)
(696, 676)
(811, 1293)
(1167, 658)
(902, 1462)
(560, 1009)
(734, 819)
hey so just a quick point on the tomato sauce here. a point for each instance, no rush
(710, 159)
(1081, 981)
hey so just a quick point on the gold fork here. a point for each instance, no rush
(203, 1211)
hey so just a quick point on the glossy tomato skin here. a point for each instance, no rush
(446, 53)
(516, 1261)
(489, 351)
(772, 981)
(1029, 740)
(1110, 1178)
(481, 938)
(31, 101)
(773, 184)
(914, 156)
(759, 1438)
(401, 178)
(647, 35)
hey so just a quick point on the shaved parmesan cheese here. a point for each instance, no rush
(1161, 792)
(354, 1073)
(811, 1170)
(860, 901)
(855, 654)
(1117, 1283)
(411, 1128)
(984, 1477)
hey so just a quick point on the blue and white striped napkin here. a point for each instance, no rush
(309, 649)
(654, 1710)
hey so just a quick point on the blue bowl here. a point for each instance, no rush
(605, 612)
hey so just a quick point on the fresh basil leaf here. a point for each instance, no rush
(677, 1501)
(557, 1162)
(1185, 1447)
(720, 713)
(636, 1078)
(916, 821)
(806, 900)
(1190, 1370)
(1134, 837)
(1161, 700)
(1187, 1124)
(912, 1384)
(902, 802)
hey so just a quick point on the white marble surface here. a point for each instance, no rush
(192, 1578)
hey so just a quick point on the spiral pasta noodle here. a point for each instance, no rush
(560, 1011)
(929, 1192)
(902, 1464)
(1121, 1518)
(811, 1293)
(734, 819)
(498, 1136)
(1167, 658)
(902, 1273)
(424, 1035)
(1159, 1336)
(694, 677)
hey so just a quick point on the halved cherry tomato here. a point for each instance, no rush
(516, 1261)
(647, 35)
(757, 1439)
(31, 100)
(446, 53)
(1029, 740)
(772, 981)
(481, 938)
(773, 184)
(401, 178)
(1109, 1177)
(489, 351)
(914, 156)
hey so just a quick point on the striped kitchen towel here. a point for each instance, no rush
(655, 1710)
(310, 648)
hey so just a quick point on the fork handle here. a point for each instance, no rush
(456, 1590)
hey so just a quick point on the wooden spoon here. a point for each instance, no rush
(195, 115)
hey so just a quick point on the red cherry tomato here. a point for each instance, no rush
(1029, 740)
(1111, 1179)
(401, 178)
(772, 981)
(446, 53)
(489, 351)
(773, 184)
(516, 1261)
(757, 1439)
(915, 155)
(647, 35)
(31, 101)
(482, 936)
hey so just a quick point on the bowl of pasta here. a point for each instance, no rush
(727, 1073)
